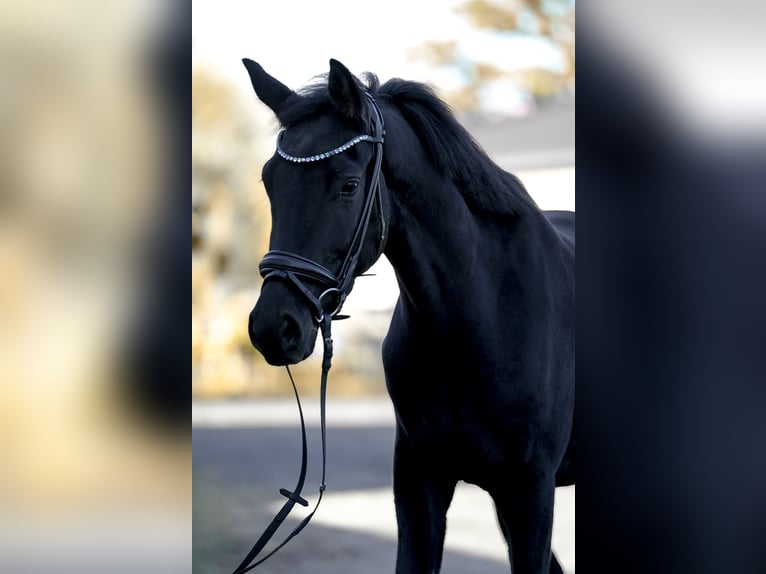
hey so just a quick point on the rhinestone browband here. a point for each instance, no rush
(325, 155)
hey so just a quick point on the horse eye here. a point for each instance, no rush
(350, 186)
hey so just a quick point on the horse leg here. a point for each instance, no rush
(525, 513)
(555, 566)
(504, 529)
(422, 499)
(565, 475)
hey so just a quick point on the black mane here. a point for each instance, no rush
(484, 185)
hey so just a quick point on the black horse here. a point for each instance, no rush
(479, 357)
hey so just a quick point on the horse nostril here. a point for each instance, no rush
(291, 332)
(279, 338)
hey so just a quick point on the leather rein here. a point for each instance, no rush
(295, 269)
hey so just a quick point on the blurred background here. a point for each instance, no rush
(508, 70)
(671, 154)
(95, 453)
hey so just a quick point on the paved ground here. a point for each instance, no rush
(243, 454)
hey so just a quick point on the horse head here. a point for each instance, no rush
(328, 207)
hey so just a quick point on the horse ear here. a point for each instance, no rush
(345, 91)
(269, 90)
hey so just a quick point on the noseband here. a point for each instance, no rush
(295, 269)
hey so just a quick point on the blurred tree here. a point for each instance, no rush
(553, 20)
(230, 218)
(230, 226)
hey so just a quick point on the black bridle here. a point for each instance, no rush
(296, 269)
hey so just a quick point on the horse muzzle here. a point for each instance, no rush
(284, 335)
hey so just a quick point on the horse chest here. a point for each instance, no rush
(443, 402)
(454, 403)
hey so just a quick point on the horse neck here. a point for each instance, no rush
(426, 242)
(448, 247)
(442, 251)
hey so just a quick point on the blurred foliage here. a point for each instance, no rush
(540, 82)
(553, 20)
(436, 53)
(488, 14)
(228, 224)
(228, 233)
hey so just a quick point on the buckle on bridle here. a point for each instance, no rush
(331, 290)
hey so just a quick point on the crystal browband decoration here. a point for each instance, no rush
(325, 155)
